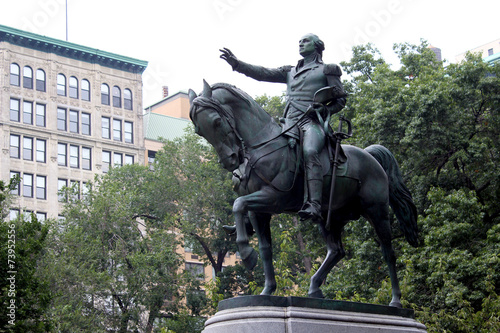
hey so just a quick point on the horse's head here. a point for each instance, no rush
(213, 122)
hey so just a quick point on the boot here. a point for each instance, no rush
(311, 210)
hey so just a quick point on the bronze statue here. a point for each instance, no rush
(303, 81)
(270, 180)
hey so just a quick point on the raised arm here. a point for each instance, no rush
(255, 72)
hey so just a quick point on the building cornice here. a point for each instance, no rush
(71, 50)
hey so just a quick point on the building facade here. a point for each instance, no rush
(67, 112)
(490, 52)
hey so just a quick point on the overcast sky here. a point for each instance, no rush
(181, 39)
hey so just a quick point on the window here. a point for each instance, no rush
(490, 52)
(41, 147)
(151, 156)
(129, 159)
(41, 189)
(196, 270)
(117, 130)
(85, 90)
(117, 97)
(106, 161)
(15, 110)
(15, 146)
(61, 154)
(104, 94)
(75, 185)
(128, 132)
(40, 115)
(28, 185)
(27, 77)
(117, 159)
(86, 158)
(61, 184)
(28, 113)
(13, 214)
(61, 85)
(17, 190)
(40, 80)
(41, 216)
(14, 74)
(73, 121)
(105, 124)
(127, 99)
(61, 119)
(28, 149)
(74, 156)
(73, 87)
(86, 123)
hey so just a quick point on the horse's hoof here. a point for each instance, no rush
(229, 229)
(268, 290)
(317, 294)
(250, 260)
(396, 304)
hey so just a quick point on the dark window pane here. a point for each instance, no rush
(14, 74)
(40, 80)
(27, 78)
(61, 85)
(104, 94)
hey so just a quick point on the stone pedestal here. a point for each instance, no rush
(273, 314)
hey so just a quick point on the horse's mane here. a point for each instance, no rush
(210, 102)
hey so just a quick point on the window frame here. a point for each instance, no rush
(73, 87)
(106, 164)
(16, 111)
(86, 125)
(41, 191)
(117, 130)
(74, 159)
(15, 78)
(17, 190)
(28, 112)
(74, 123)
(86, 160)
(61, 84)
(106, 131)
(128, 135)
(104, 94)
(117, 97)
(14, 148)
(85, 90)
(27, 149)
(40, 116)
(41, 154)
(62, 121)
(27, 77)
(62, 156)
(28, 188)
(41, 78)
(127, 99)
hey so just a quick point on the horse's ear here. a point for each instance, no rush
(192, 95)
(207, 90)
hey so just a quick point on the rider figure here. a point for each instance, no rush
(303, 80)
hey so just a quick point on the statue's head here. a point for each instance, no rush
(310, 43)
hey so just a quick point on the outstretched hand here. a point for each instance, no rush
(229, 57)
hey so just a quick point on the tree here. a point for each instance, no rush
(442, 125)
(113, 263)
(25, 296)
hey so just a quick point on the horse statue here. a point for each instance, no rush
(270, 180)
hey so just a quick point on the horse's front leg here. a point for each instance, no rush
(262, 226)
(257, 201)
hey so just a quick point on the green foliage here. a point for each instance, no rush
(107, 265)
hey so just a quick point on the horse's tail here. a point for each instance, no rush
(399, 196)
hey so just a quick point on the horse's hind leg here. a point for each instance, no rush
(378, 216)
(261, 224)
(335, 252)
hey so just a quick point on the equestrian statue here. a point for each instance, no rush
(300, 166)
